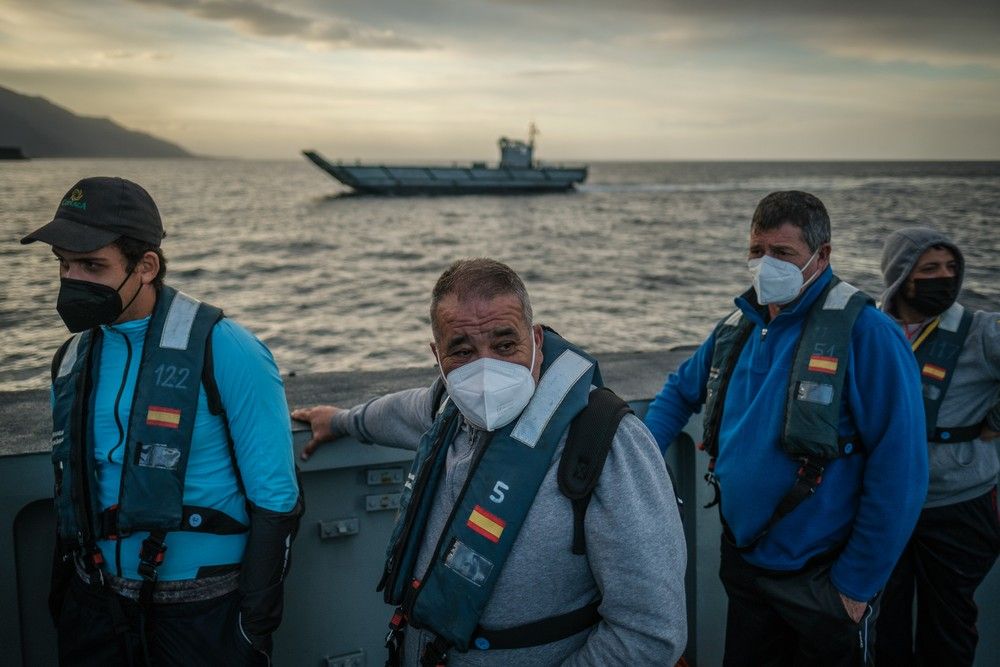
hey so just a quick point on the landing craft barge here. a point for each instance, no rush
(517, 173)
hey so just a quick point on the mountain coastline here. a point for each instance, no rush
(43, 129)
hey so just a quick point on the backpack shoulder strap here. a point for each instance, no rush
(587, 445)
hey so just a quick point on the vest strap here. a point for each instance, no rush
(955, 434)
(195, 519)
(807, 479)
(731, 336)
(536, 633)
(151, 554)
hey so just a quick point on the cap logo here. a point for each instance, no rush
(75, 200)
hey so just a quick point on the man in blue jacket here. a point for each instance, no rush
(815, 426)
(175, 490)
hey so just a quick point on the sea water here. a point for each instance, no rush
(643, 256)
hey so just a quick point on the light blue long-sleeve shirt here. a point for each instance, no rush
(253, 396)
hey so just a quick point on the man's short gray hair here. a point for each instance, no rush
(479, 278)
(802, 209)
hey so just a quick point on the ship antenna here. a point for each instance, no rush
(532, 133)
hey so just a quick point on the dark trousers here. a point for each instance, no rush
(950, 553)
(206, 632)
(790, 618)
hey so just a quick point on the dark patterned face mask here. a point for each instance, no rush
(933, 296)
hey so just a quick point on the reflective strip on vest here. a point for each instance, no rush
(69, 358)
(838, 296)
(180, 319)
(952, 318)
(552, 389)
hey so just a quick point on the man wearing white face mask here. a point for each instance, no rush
(815, 428)
(490, 563)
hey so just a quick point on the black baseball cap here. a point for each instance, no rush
(99, 210)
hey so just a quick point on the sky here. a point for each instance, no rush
(602, 80)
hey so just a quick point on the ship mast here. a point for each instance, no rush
(532, 133)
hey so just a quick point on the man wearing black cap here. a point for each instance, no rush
(175, 489)
(957, 537)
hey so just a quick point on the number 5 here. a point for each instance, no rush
(498, 490)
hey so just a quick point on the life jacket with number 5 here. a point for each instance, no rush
(449, 598)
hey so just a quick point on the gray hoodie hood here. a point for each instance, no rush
(900, 254)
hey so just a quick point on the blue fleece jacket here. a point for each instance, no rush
(253, 396)
(869, 500)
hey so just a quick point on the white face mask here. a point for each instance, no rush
(491, 393)
(777, 281)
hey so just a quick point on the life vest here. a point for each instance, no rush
(158, 439)
(937, 353)
(814, 396)
(449, 598)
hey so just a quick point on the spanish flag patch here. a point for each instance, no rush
(166, 417)
(933, 372)
(488, 525)
(820, 364)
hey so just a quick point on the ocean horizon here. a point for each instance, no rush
(644, 256)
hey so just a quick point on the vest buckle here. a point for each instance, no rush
(88, 564)
(151, 557)
(435, 653)
(712, 481)
(394, 638)
(810, 473)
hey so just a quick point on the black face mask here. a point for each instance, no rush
(933, 296)
(83, 305)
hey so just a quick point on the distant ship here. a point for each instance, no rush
(517, 173)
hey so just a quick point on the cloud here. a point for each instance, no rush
(555, 71)
(261, 20)
(126, 54)
(928, 32)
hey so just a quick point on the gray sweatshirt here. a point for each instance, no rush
(958, 471)
(635, 557)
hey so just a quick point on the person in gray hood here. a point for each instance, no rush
(957, 537)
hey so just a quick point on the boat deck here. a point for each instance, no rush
(333, 616)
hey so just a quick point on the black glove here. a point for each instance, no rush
(265, 563)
